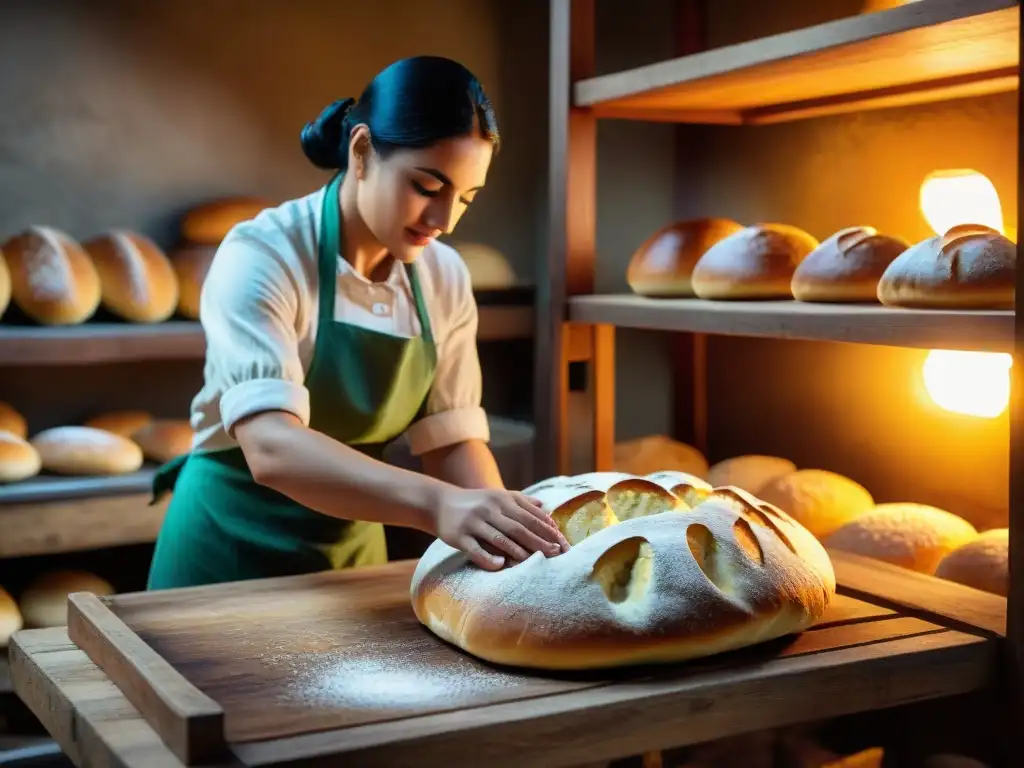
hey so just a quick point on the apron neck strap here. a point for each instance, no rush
(421, 305)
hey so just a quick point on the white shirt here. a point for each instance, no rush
(259, 310)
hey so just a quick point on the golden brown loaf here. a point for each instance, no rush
(191, 264)
(53, 280)
(750, 472)
(164, 439)
(755, 263)
(44, 603)
(123, 423)
(847, 266)
(970, 267)
(10, 617)
(914, 536)
(12, 421)
(86, 451)
(663, 264)
(137, 280)
(209, 223)
(5, 284)
(819, 500)
(18, 459)
(982, 563)
(656, 453)
(649, 579)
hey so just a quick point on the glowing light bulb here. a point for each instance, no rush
(960, 196)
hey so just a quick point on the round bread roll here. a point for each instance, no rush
(651, 580)
(970, 267)
(755, 263)
(12, 421)
(750, 472)
(655, 453)
(44, 603)
(191, 263)
(489, 270)
(18, 459)
(5, 285)
(86, 451)
(914, 536)
(982, 563)
(123, 423)
(663, 264)
(209, 223)
(821, 501)
(164, 439)
(137, 280)
(53, 280)
(847, 266)
(10, 617)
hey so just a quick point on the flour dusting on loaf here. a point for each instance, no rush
(663, 568)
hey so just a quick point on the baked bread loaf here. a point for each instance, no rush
(821, 501)
(123, 423)
(982, 563)
(210, 222)
(655, 453)
(86, 451)
(649, 578)
(164, 439)
(18, 459)
(489, 270)
(44, 603)
(137, 280)
(10, 617)
(663, 264)
(5, 285)
(12, 421)
(757, 262)
(847, 266)
(970, 267)
(914, 536)
(53, 280)
(750, 472)
(191, 263)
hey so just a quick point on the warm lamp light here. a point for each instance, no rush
(971, 383)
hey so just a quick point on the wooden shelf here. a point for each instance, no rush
(916, 53)
(988, 330)
(43, 489)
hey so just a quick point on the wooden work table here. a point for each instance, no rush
(334, 669)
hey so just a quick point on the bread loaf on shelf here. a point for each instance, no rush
(124, 423)
(649, 579)
(19, 460)
(914, 536)
(847, 266)
(663, 264)
(191, 264)
(74, 450)
(750, 472)
(821, 501)
(210, 222)
(10, 617)
(489, 270)
(5, 285)
(138, 283)
(44, 603)
(654, 453)
(970, 267)
(756, 262)
(53, 280)
(164, 439)
(982, 563)
(12, 421)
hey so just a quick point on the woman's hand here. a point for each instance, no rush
(504, 522)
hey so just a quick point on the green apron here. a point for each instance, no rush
(365, 388)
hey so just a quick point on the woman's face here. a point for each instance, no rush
(414, 195)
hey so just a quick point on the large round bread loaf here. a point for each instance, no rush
(5, 285)
(10, 617)
(819, 500)
(649, 578)
(751, 472)
(138, 281)
(970, 267)
(19, 460)
(847, 266)
(12, 421)
(209, 223)
(191, 264)
(44, 603)
(663, 264)
(53, 280)
(755, 263)
(86, 451)
(982, 563)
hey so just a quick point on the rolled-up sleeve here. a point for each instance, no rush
(248, 309)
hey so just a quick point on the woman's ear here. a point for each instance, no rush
(359, 150)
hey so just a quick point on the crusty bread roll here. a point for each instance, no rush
(44, 603)
(18, 459)
(970, 267)
(10, 617)
(12, 421)
(982, 563)
(53, 280)
(663, 264)
(5, 285)
(489, 270)
(847, 266)
(191, 263)
(750, 472)
(86, 451)
(821, 501)
(210, 222)
(164, 439)
(657, 453)
(755, 263)
(648, 580)
(123, 423)
(914, 536)
(137, 280)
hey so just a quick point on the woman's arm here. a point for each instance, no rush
(468, 464)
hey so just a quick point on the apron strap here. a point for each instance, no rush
(328, 248)
(421, 304)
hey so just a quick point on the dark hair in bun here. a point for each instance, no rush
(412, 103)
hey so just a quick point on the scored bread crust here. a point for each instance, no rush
(649, 579)
(137, 280)
(663, 264)
(847, 266)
